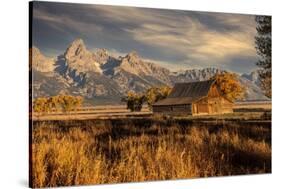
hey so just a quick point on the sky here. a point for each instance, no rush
(175, 39)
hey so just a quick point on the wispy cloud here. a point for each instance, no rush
(65, 23)
(173, 38)
(196, 41)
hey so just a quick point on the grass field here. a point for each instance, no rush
(85, 152)
(248, 109)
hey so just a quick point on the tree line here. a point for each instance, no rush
(228, 83)
(63, 103)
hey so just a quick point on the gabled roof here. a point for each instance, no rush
(186, 93)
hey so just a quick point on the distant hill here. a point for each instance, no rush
(102, 78)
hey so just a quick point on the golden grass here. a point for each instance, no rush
(97, 153)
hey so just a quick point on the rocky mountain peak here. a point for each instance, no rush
(132, 63)
(101, 56)
(253, 77)
(100, 74)
(102, 52)
(79, 59)
(76, 48)
(78, 42)
(35, 51)
(132, 57)
(40, 62)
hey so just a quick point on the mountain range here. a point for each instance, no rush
(102, 78)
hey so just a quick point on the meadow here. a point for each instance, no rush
(83, 152)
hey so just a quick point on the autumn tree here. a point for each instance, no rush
(134, 101)
(64, 103)
(78, 102)
(155, 94)
(40, 105)
(230, 85)
(263, 47)
(69, 103)
(55, 103)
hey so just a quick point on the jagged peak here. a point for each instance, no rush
(35, 50)
(37, 53)
(75, 48)
(77, 41)
(132, 56)
(102, 52)
(40, 62)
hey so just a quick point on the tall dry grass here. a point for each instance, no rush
(104, 153)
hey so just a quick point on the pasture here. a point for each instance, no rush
(110, 144)
(143, 149)
(242, 110)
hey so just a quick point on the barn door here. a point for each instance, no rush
(215, 107)
(194, 109)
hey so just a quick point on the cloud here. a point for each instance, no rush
(65, 23)
(173, 38)
(197, 41)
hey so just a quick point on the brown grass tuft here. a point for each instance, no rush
(96, 154)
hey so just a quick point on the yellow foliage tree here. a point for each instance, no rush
(54, 102)
(41, 105)
(230, 86)
(134, 101)
(64, 103)
(155, 94)
(70, 103)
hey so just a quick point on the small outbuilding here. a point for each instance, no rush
(195, 98)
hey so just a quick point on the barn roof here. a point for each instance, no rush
(186, 93)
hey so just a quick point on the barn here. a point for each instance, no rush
(194, 98)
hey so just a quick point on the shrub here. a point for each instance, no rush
(155, 94)
(134, 101)
(64, 103)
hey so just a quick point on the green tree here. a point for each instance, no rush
(263, 47)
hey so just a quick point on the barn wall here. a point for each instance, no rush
(214, 103)
(173, 109)
(200, 107)
(218, 103)
(227, 107)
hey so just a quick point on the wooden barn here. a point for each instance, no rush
(195, 98)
